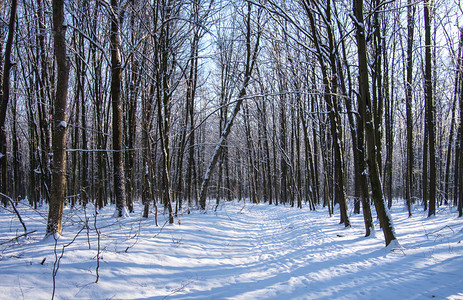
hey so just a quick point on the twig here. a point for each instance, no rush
(436, 231)
(244, 205)
(19, 236)
(20, 288)
(58, 259)
(165, 223)
(179, 289)
(98, 248)
(136, 236)
(15, 210)
(88, 229)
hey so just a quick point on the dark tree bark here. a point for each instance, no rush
(390, 65)
(452, 124)
(366, 109)
(252, 167)
(389, 106)
(330, 90)
(163, 98)
(428, 94)
(357, 133)
(459, 162)
(377, 84)
(408, 104)
(284, 166)
(58, 166)
(18, 180)
(191, 84)
(116, 77)
(5, 98)
(44, 79)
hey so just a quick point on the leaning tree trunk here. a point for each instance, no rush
(251, 57)
(58, 166)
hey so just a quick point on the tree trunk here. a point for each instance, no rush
(116, 77)
(450, 140)
(365, 109)
(5, 98)
(44, 106)
(284, 166)
(459, 164)
(18, 184)
(408, 105)
(58, 166)
(377, 85)
(330, 90)
(357, 133)
(428, 94)
(130, 155)
(163, 98)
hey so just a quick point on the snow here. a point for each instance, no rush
(125, 213)
(241, 251)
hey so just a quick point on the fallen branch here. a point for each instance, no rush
(436, 231)
(56, 264)
(160, 230)
(15, 210)
(19, 236)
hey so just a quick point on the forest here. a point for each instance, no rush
(183, 105)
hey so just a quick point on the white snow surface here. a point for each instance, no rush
(241, 251)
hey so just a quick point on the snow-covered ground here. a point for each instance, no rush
(241, 251)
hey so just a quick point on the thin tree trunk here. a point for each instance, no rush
(459, 164)
(163, 98)
(18, 186)
(408, 105)
(284, 193)
(451, 139)
(44, 105)
(377, 85)
(5, 98)
(428, 94)
(116, 78)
